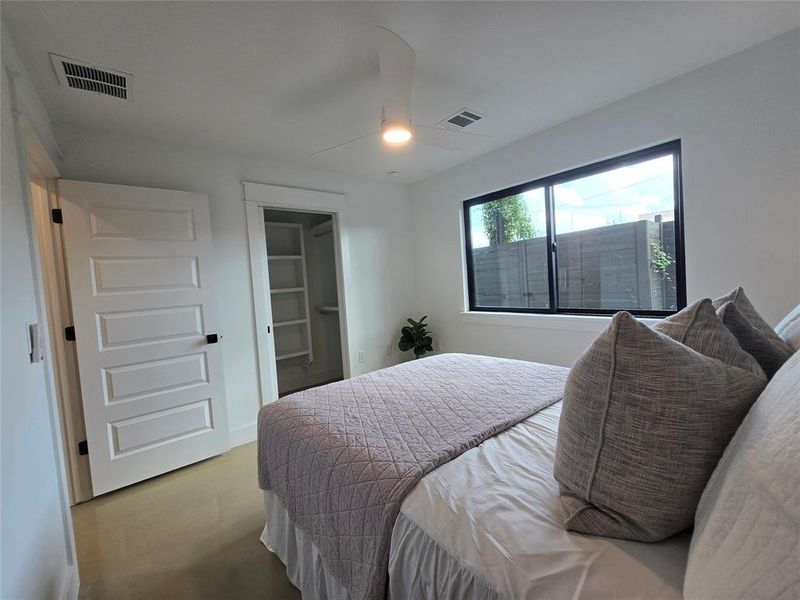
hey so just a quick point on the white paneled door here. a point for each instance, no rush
(139, 263)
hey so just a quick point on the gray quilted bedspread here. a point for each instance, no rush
(342, 457)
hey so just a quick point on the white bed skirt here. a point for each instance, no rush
(418, 566)
(296, 550)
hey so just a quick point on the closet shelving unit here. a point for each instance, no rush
(288, 276)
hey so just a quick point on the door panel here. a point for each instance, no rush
(155, 377)
(131, 327)
(143, 274)
(166, 225)
(139, 266)
(168, 425)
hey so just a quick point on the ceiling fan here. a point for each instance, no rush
(396, 61)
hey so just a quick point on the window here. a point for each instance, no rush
(593, 240)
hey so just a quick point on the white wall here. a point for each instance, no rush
(739, 122)
(36, 549)
(379, 244)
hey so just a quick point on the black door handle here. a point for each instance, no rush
(213, 338)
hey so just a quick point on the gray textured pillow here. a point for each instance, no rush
(755, 335)
(769, 350)
(699, 327)
(644, 422)
(789, 328)
(742, 302)
(746, 542)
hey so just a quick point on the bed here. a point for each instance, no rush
(475, 520)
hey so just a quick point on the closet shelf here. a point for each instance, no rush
(286, 257)
(327, 310)
(322, 229)
(287, 290)
(292, 354)
(294, 322)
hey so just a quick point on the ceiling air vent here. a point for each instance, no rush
(81, 75)
(460, 120)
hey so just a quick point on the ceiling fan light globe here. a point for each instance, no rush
(396, 135)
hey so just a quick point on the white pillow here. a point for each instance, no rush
(746, 542)
(789, 328)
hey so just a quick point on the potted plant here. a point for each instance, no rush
(416, 337)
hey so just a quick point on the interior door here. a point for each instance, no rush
(139, 263)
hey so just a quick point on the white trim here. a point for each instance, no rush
(590, 323)
(39, 162)
(257, 197)
(243, 435)
(262, 307)
(278, 196)
(65, 360)
(70, 584)
(343, 281)
(23, 141)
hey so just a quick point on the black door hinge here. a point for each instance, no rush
(83, 448)
(69, 333)
(57, 215)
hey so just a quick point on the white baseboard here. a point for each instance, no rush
(70, 584)
(243, 435)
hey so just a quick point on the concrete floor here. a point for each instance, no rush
(192, 533)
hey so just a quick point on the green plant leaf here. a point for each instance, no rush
(405, 344)
(415, 336)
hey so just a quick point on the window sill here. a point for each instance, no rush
(588, 323)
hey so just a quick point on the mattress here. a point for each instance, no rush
(488, 525)
(343, 457)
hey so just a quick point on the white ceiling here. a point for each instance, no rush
(284, 79)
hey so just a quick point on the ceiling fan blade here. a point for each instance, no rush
(355, 139)
(396, 60)
(452, 140)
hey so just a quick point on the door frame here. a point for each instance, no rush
(42, 172)
(36, 165)
(257, 198)
(65, 359)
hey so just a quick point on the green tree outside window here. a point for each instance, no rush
(507, 220)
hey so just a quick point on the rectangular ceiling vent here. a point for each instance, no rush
(82, 75)
(460, 120)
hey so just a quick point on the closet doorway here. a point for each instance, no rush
(311, 343)
(303, 297)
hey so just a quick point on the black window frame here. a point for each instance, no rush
(672, 147)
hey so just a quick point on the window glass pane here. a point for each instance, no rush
(615, 234)
(509, 251)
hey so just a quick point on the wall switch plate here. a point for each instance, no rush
(362, 357)
(35, 343)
